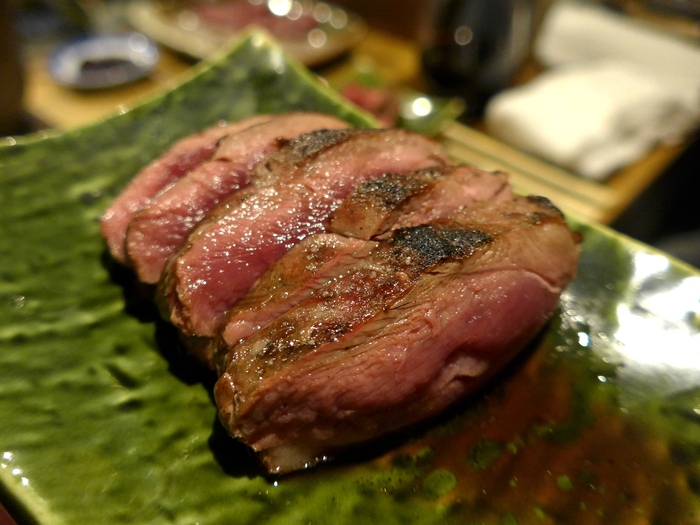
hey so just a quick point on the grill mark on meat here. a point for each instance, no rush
(292, 155)
(176, 162)
(389, 191)
(306, 146)
(371, 204)
(545, 204)
(432, 244)
(161, 227)
(225, 256)
(401, 200)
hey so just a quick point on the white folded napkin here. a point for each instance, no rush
(575, 32)
(603, 105)
(591, 118)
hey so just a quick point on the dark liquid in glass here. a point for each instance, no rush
(476, 47)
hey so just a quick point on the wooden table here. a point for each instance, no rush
(397, 61)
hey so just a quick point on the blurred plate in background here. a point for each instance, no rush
(311, 32)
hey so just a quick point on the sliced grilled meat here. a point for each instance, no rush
(161, 227)
(179, 160)
(333, 320)
(423, 320)
(371, 209)
(308, 177)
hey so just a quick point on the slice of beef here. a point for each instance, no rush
(400, 200)
(424, 320)
(161, 227)
(219, 267)
(280, 166)
(307, 266)
(230, 251)
(180, 159)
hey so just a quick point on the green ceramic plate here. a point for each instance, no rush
(102, 422)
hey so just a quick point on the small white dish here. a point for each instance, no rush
(103, 61)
